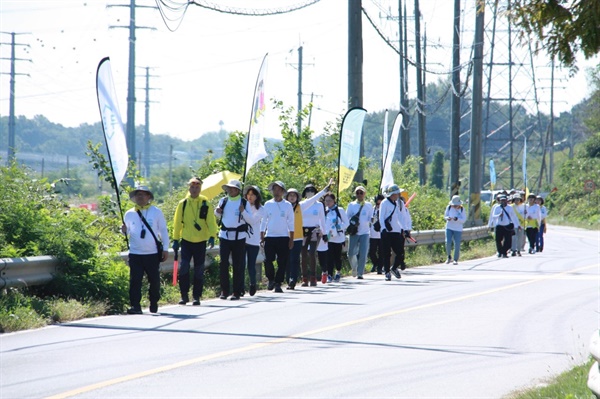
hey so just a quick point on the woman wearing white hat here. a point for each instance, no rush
(455, 217)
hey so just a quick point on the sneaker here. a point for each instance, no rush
(388, 276)
(518, 253)
(354, 272)
(134, 311)
(530, 250)
(499, 255)
(373, 269)
(252, 289)
(337, 277)
(403, 266)
(313, 282)
(271, 285)
(514, 253)
(395, 272)
(323, 278)
(329, 279)
(196, 302)
(455, 263)
(278, 288)
(234, 297)
(360, 277)
(153, 307)
(304, 283)
(223, 295)
(183, 302)
(504, 255)
(291, 285)
(448, 260)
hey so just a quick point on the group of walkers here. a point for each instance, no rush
(514, 221)
(296, 230)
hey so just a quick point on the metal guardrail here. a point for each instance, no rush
(40, 270)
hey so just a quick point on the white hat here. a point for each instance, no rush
(138, 189)
(393, 189)
(233, 184)
(360, 188)
(276, 183)
(455, 201)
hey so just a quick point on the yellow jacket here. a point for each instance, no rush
(298, 223)
(184, 221)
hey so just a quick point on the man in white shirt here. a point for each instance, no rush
(277, 235)
(360, 212)
(393, 223)
(506, 221)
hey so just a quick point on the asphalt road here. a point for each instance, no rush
(483, 328)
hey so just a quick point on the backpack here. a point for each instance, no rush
(244, 227)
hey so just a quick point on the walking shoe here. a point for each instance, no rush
(514, 253)
(134, 311)
(323, 278)
(184, 300)
(530, 250)
(278, 288)
(234, 297)
(448, 260)
(518, 253)
(373, 269)
(499, 255)
(337, 277)
(291, 285)
(388, 276)
(379, 271)
(354, 272)
(455, 262)
(360, 277)
(395, 272)
(153, 307)
(304, 282)
(329, 279)
(313, 282)
(223, 295)
(504, 255)
(402, 266)
(252, 289)
(196, 302)
(271, 285)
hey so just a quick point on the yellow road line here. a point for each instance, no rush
(201, 359)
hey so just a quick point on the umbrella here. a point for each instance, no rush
(211, 185)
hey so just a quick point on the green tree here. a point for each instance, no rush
(562, 27)
(437, 170)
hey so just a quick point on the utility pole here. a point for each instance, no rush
(355, 61)
(455, 104)
(146, 153)
(510, 108)
(420, 97)
(551, 131)
(11, 115)
(299, 121)
(405, 131)
(130, 127)
(475, 173)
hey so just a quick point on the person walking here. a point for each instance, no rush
(455, 217)
(519, 237)
(375, 254)
(505, 221)
(234, 212)
(277, 235)
(407, 220)
(539, 242)
(254, 198)
(336, 223)
(392, 221)
(533, 220)
(194, 224)
(313, 225)
(360, 212)
(146, 229)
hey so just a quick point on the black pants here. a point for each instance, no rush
(323, 261)
(503, 239)
(334, 257)
(276, 249)
(236, 249)
(389, 242)
(531, 236)
(197, 251)
(138, 265)
(375, 253)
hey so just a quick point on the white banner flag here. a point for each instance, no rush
(114, 133)
(387, 178)
(255, 150)
(384, 140)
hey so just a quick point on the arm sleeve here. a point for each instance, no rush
(178, 221)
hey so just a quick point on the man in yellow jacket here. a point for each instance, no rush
(194, 225)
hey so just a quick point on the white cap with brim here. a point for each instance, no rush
(232, 184)
(455, 201)
(393, 189)
(140, 188)
(276, 183)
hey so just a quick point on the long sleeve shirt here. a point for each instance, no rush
(336, 225)
(504, 215)
(398, 218)
(533, 216)
(459, 214)
(375, 218)
(278, 220)
(364, 219)
(254, 221)
(134, 225)
(187, 217)
(231, 218)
